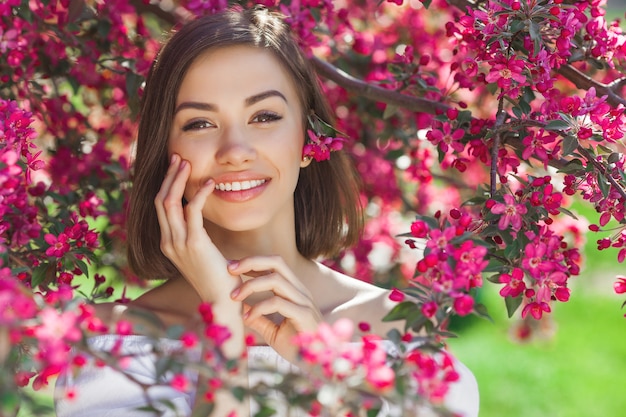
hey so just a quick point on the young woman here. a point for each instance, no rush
(225, 207)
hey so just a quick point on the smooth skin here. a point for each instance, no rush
(238, 118)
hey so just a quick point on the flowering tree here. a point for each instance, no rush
(481, 128)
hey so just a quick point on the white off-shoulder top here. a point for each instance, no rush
(105, 392)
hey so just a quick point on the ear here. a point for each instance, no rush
(305, 162)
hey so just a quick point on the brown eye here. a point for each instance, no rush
(266, 117)
(197, 125)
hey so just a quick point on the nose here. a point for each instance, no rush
(235, 148)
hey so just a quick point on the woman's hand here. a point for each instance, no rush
(290, 298)
(185, 241)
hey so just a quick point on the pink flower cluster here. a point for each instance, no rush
(19, 223)
(433, 373)
(452, 264)
(331, 348)
(319, 147)
(543, 273)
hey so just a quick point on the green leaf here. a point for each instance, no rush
(569, 213)
(535, 34)
(512, 304)
(481, 311)
(265, 411)
(512, 249)
(395, 336)
(400, 311)
(474, 201)
(148, 409)
(202, 410)
(570, 144)
(558, 125)
(82, 265)
(614, 158)
(104, 27)
(175, 331)
(39, 275)
(373, 412)
(238, 392)
(523, 104)
(390, 110)
(133, 83)
(24, 12)
(495, 265)
(494, 278)
(603, 185)
(430, 221)
(572, 166)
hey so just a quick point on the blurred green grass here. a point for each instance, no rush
(579, 372)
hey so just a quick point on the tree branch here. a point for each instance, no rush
(584, 82)
(602, 170)
(493, 172)
(374, 92)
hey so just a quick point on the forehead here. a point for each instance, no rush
(236, 72)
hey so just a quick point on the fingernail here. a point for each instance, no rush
(173, 158)
(183, 164)
(235, 293)
(233, 264)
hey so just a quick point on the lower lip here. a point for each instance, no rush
(241, 196)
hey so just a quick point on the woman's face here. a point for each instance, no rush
(238, 121)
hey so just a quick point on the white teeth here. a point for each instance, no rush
(239, 186)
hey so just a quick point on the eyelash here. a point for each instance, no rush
(196, 124)
(266, 117)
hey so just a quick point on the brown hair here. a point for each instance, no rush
(326, 200)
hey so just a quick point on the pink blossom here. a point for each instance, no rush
(620, 285)
(319, 147)
(505, 72)
(444, 137)
(536, 309)
(180, 383)
(512, 213)
(396, 295)
(57, 326)
(514, 283)
(429, 309)
(59, 245)
(463, 305)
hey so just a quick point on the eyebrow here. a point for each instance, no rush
(212, 107)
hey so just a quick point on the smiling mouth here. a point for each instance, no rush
(239, 185)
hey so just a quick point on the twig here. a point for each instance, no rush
(602, 170)
(493, 173)
(584, 82)
(374, 92)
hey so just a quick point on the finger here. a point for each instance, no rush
(166, 234)
(266, 263)
(302, 318)
(272, 282)
(193, 211)
(173, 206)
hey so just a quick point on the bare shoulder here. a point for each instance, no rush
(359, 301)
(144, 313)
(109, 312)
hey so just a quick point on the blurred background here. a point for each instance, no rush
(574, 363)
(571, 365)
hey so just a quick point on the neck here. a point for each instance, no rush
(236, 245)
